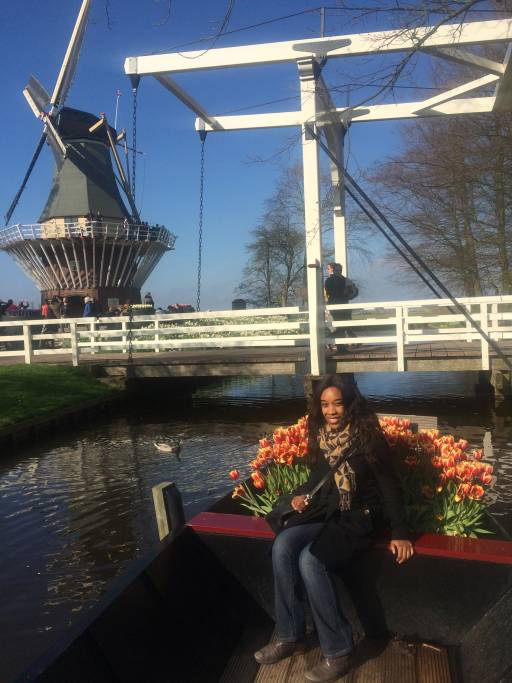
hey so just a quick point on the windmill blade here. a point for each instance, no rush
(54, 138)
(38, 113)
(16, 199)
(37, 93)
(68, 67)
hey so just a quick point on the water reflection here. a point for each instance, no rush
(77, 509)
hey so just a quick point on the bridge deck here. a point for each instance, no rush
(433, 356)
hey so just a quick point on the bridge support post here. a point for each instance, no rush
(308, 74)
(335, 135)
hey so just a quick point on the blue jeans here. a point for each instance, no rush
(295, 568)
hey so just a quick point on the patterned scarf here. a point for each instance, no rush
(334, 444)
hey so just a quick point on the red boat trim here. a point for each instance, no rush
(476, 549)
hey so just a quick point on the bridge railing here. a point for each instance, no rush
(391, 323)
(427, 320)
(154, 332)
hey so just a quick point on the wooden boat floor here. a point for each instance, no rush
(393, 661)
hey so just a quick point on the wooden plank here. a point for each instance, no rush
(299, 665)
(276, 673)
(241, 665)
(396, 662)
(432, 664)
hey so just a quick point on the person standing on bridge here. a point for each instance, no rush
(354, 504)
(339, 290)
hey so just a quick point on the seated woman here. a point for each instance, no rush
(360, 499)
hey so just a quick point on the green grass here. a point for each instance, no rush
(28, 391)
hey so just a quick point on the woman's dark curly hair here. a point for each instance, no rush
(364, 424)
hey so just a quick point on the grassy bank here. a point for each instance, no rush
(28, 391)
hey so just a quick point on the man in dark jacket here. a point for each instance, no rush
(336, 293)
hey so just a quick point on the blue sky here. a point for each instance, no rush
(34, 36)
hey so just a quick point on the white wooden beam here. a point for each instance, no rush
(378, 112)
(65, 77)
(187, 100)
(504, 88)
(455, 92)
(308, 73)
(334, 130)
(468, 59)
(470, 33)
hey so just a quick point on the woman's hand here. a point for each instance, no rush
(299, 503)
(402, 550)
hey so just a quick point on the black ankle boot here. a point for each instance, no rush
(278, 650)
(329, 669)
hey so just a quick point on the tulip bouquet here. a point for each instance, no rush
(278, 468)
(443, 481)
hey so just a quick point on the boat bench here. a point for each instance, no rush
(433, 545)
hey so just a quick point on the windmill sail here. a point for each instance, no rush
(86, 241)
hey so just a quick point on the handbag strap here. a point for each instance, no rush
(327, 475)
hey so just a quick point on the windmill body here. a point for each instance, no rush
(86, 241)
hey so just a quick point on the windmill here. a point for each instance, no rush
(86, 242)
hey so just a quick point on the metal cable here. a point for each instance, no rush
(202, 135)
(134, 141)
(419, 261)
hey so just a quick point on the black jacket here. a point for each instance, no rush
(335, 286)
(376, 505)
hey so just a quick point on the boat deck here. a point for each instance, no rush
(394, 661)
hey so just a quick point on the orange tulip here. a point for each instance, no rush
(477, 455)
(486, 478)
(238, 492)
(258, 480)
(476, 492)
(234, 474)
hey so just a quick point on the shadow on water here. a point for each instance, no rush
(76, 508)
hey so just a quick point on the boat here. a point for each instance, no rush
(199, 606)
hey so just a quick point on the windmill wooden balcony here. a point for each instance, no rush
(101, 258)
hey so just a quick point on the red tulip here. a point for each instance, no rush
(234, 474)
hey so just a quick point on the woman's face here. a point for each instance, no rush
(331, 402)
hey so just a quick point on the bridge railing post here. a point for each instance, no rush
(92, 338)
(469, 327)
(157, 336)
(494, 326)
(484, 324)
(399, 323)
(125, 337)
(27, 343)
(74, 343)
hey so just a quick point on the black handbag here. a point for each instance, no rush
(282, 516)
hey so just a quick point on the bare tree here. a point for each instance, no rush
(450, 189)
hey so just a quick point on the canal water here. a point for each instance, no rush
(76, 509)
